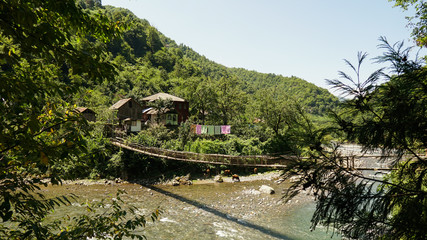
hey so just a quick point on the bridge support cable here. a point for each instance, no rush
(219, 159)
(243, 161)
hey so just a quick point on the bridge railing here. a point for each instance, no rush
(249, 160)
(351, 162)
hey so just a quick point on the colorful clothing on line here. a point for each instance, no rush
(193, 128)
(225, 129)
(211, 130)
(198, 129)
(204, 129)
(217, 130)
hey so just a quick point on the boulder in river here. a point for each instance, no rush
(218, 178)
(175, 182)
(266, 189)
(183, 180)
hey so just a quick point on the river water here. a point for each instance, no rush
(208, 211)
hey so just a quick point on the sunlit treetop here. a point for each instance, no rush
(418, 22)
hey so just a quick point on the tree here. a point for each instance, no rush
(418, 22)
(391, 116)
(202, 96)
(153, 39)
(89, 3)
(275, 108)
(43, 64)
(230, 99)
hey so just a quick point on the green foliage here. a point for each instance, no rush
(156, 135)
(391, 117)
(275, 109)
(99, 222)
(57, 55)
(408, 213)
(231, 146)
(314, 99)
(418, 22)
(148, 63)
(230, 100)
(105, 220)
(47, 50)
(200, 92)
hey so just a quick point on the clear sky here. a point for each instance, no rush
(304, 38)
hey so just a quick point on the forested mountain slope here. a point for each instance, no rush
(148, 62)
(316, 100)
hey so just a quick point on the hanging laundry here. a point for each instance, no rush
(217, 130)
(225, 129)
(204, 129)
(198, 129)
(211, 130)
(193, 128)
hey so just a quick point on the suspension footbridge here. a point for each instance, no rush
(351, 161)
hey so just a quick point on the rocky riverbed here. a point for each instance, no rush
(206, 209)
(270, 176)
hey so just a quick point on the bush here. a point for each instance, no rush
(231, 146)
(157, 135)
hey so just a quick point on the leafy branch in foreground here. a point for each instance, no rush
(106, 221)
(103, 220)
(391, 117)
(48, 49)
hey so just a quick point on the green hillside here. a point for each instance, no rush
(316, 100)
(149, 62)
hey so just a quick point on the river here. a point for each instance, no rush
(208, 211)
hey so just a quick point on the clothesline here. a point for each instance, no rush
(210, 129)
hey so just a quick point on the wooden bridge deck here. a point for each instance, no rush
(221, 159)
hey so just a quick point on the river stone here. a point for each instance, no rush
(218, 178)
(266, 189)
(186, 182)
(175, 182)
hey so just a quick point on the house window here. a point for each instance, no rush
(179, 106)
(134, 123)
(171, 119)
